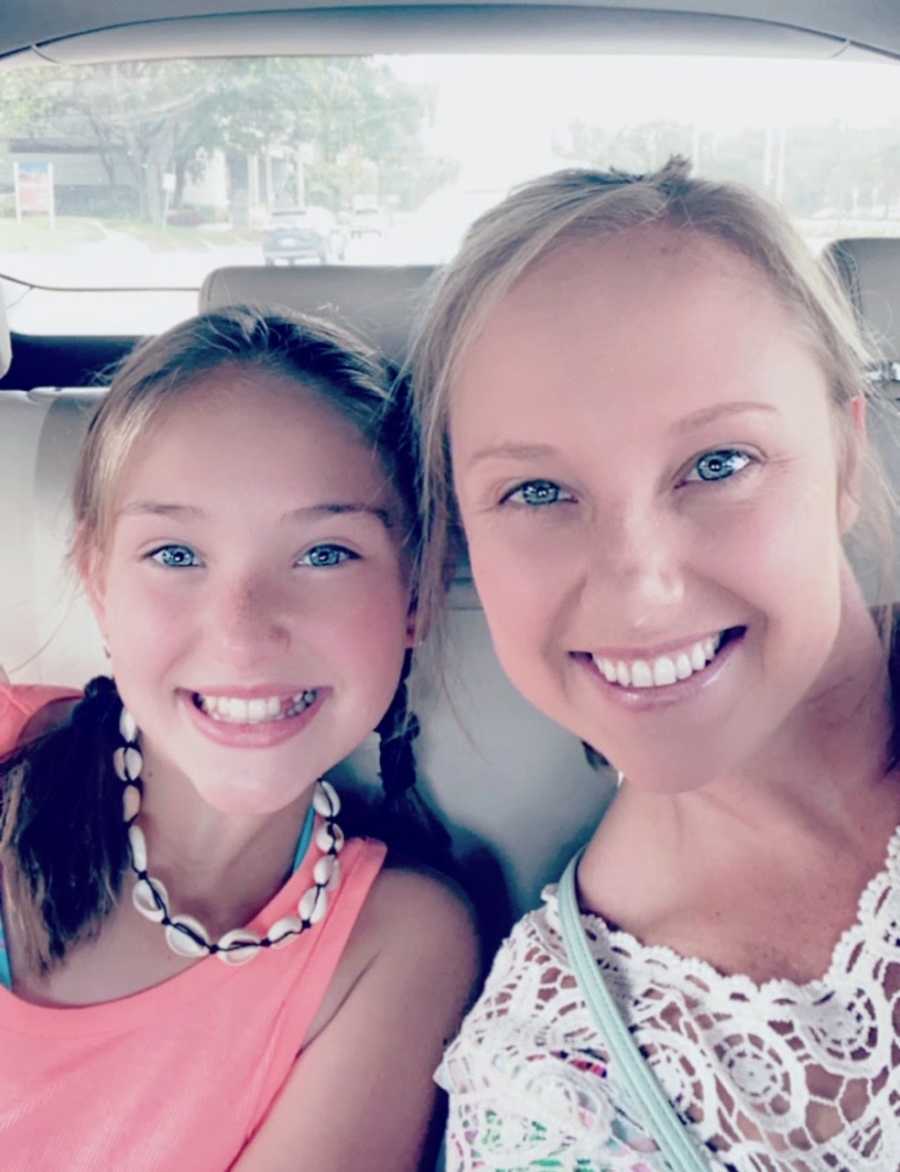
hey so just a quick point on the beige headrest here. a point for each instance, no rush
(869, 270)
(5, 346)
(378, 302)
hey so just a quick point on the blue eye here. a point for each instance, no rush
(323, 557)
(718, 465)
(175, 557)
(537, 493)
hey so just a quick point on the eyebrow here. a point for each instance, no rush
(328, 508)
(513, 452)
(720, 410)
(688, 423)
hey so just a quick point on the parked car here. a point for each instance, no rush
(296, 234)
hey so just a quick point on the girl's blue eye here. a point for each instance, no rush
(176, 557)
(538, 493)
(718, 465)
(325, 556)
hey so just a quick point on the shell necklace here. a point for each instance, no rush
(185, 935)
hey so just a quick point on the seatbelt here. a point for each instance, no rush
(674, 1142)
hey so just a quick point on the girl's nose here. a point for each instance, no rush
(248, 620)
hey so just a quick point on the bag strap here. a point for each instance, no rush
(663, 1124)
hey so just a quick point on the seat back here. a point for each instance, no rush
(869, 271)
(377, 301)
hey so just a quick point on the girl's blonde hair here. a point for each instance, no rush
(317, 355)
(555, 209)
(63, 845)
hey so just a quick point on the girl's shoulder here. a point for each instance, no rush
(29, 710)
(413, 932)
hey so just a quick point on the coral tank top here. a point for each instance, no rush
(181, 1075)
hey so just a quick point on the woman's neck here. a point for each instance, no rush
(802, 808)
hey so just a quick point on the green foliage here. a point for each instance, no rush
(839, 171)
(360, 125)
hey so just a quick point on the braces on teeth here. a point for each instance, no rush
(233, 710)
(664, 669)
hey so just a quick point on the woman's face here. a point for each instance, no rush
(254, 596)
(646, 462)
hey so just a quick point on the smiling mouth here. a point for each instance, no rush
(259, 710)
(663, 671)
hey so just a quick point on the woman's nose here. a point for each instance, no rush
(639, 560)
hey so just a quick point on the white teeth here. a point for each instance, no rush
(683, 667)
(662, 671)
(641, 675)
(235, 710)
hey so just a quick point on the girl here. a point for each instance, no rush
(650, 402)
(204, 969)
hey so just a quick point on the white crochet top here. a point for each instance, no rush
(778, 1077)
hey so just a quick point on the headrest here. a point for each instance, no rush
(5, 346)
(378, 302)
(869, 270)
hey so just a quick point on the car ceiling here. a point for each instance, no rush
(85, 30)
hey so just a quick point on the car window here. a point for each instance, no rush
(139, 178)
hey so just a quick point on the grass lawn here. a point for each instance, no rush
(35, 235)
(180, 239)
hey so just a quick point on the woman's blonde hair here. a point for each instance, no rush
(555, 209)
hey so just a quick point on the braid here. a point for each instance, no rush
(410, 828)
(62, 838)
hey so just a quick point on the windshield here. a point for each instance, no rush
(146, 176)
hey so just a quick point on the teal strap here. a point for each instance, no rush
(658, 1114)
(5, 972)
(303, 840)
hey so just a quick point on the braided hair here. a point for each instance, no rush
(63, 846)
(61, 827)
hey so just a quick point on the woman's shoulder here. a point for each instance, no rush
(528, 1076)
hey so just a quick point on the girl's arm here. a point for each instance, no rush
(362, 1094)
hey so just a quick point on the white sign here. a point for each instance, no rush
(34, 190)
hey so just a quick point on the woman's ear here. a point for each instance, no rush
(850, 484)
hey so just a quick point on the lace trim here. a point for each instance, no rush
(777, 1077)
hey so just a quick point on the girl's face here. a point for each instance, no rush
(253, 594)
(646, 462)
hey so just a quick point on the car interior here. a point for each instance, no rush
(518, 793)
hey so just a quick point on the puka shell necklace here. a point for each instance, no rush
(185, 935)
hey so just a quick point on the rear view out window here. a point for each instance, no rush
(147, 175)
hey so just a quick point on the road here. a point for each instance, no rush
(107, 267)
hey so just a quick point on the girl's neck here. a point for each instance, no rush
(218, 867)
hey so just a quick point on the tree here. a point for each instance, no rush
(146, 118)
